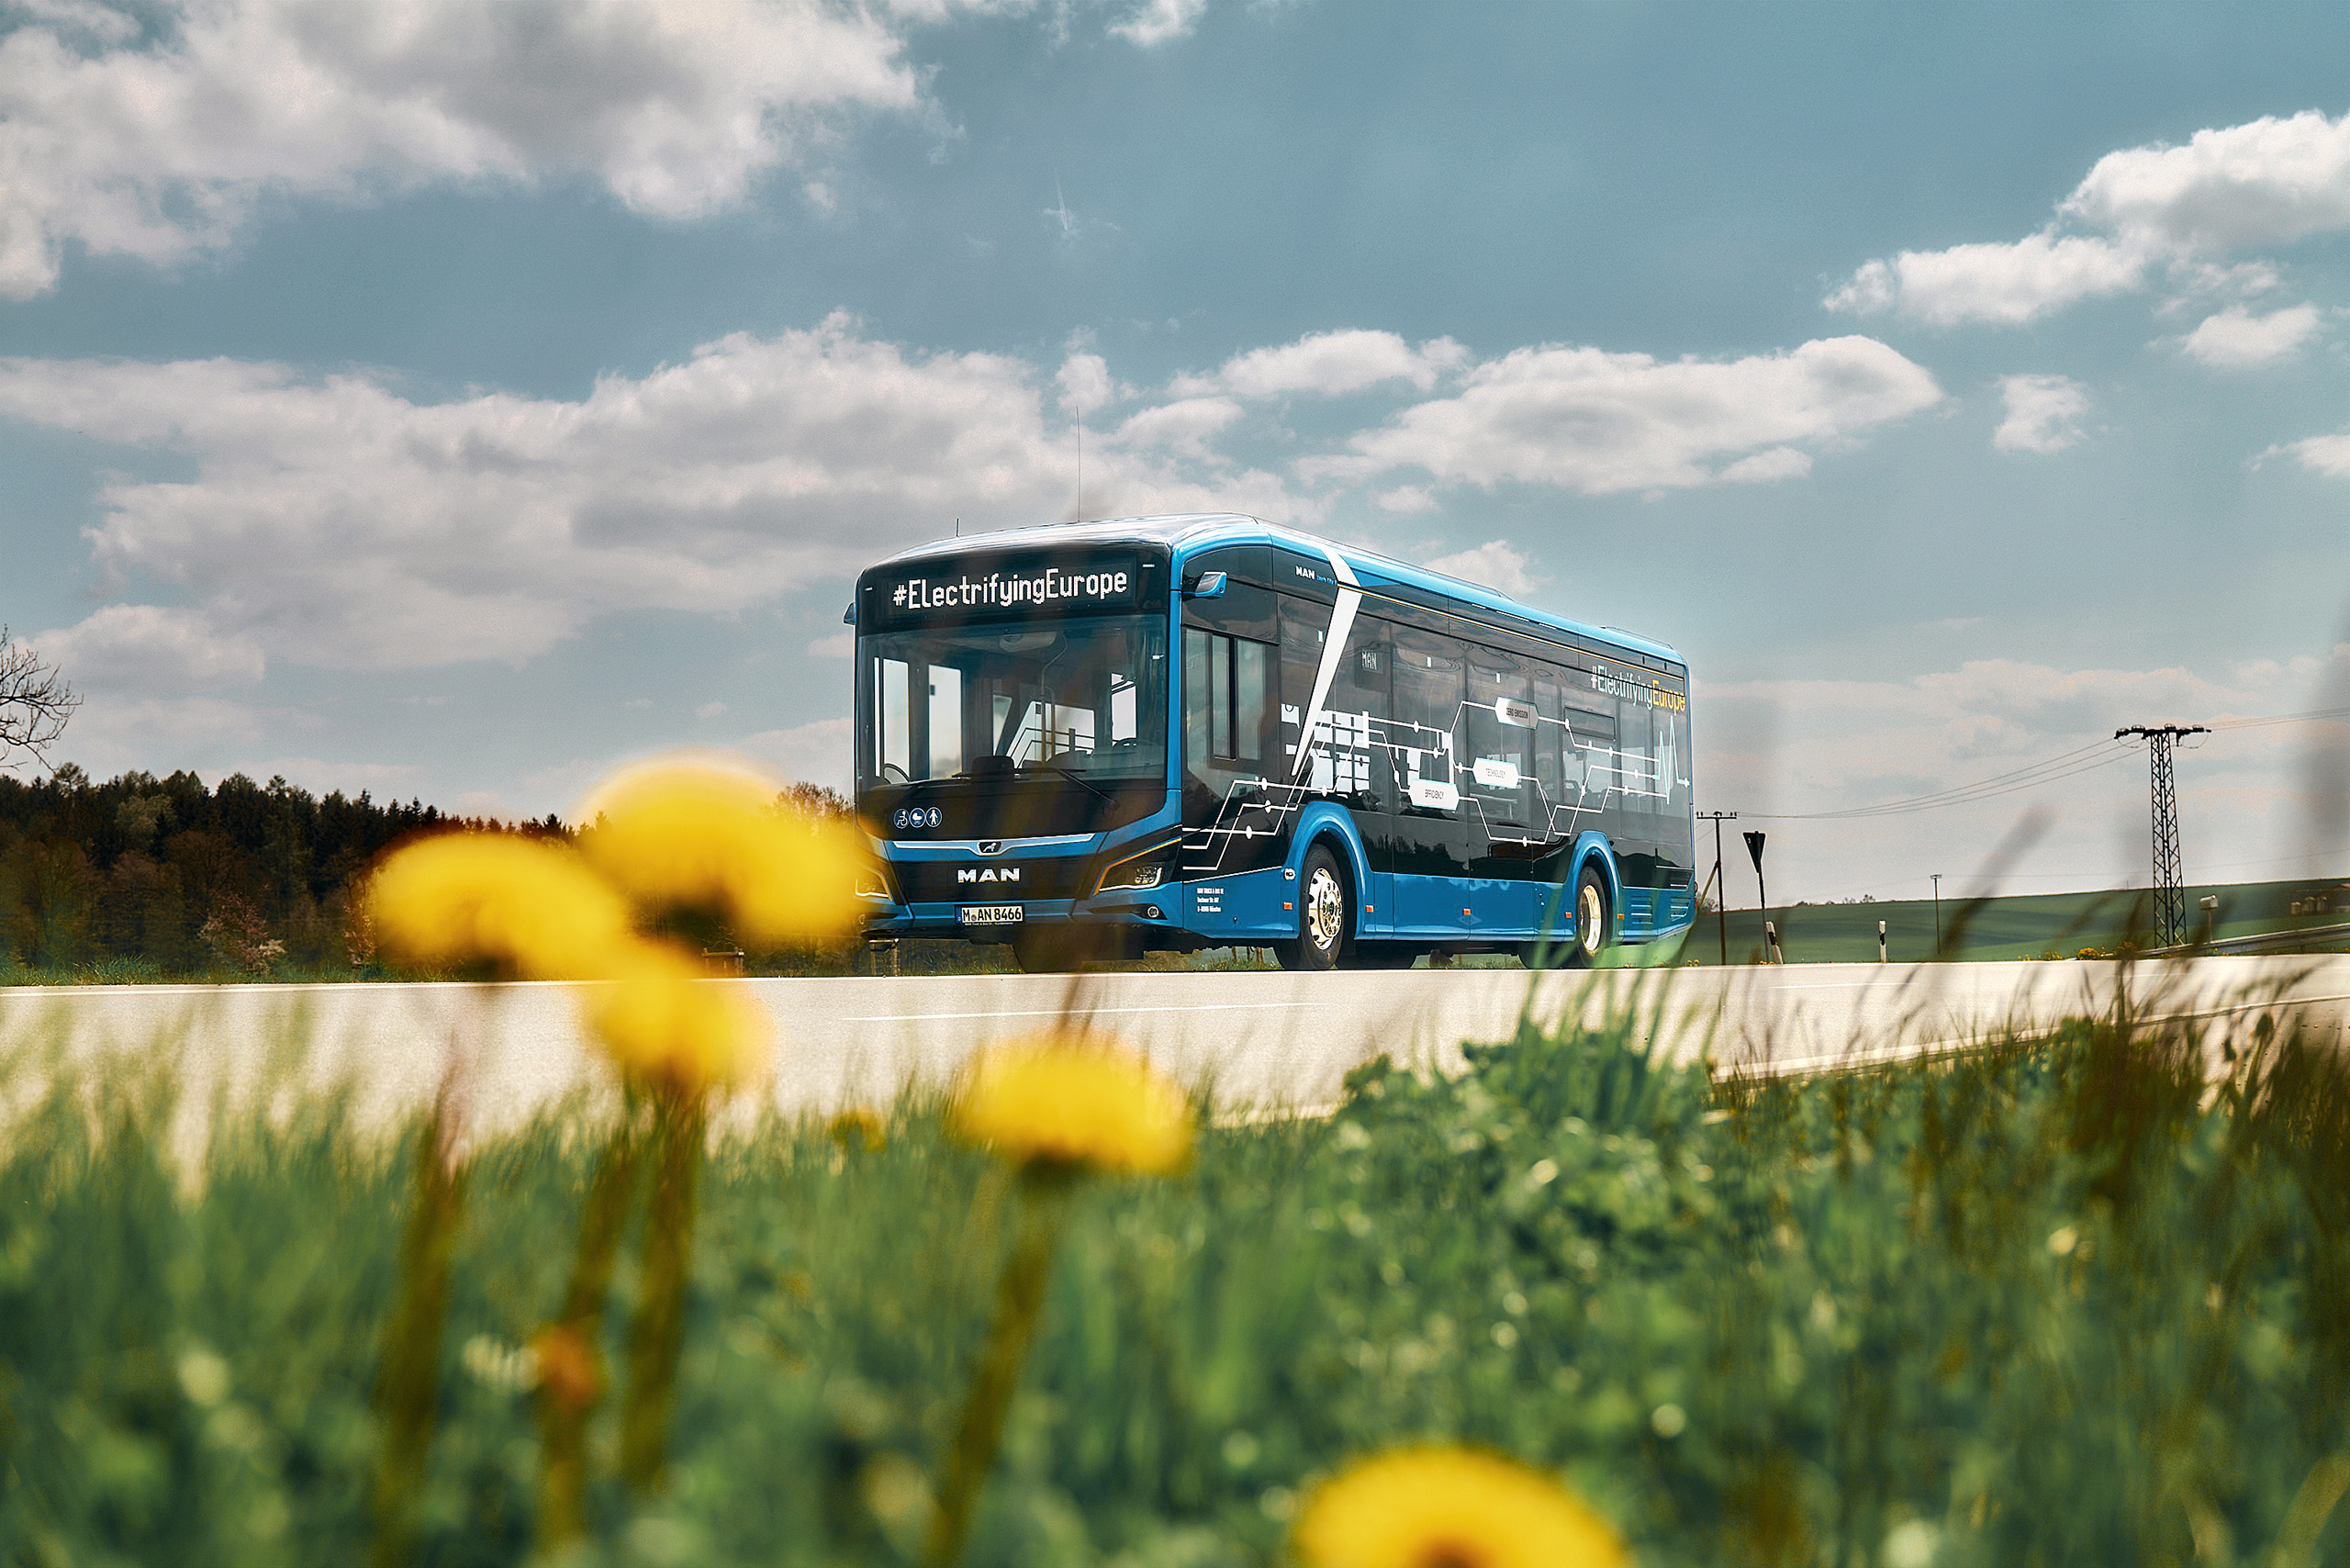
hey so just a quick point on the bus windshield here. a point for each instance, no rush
(1085, 695)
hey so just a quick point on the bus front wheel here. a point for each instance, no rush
(1325, 911)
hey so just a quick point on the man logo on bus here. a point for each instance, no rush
(988, 874)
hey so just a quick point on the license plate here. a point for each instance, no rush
(990, 914)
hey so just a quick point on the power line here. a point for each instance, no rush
(2064, 764)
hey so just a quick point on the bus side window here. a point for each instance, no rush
(1427, 724)
(1500, 750)
(1226, 699)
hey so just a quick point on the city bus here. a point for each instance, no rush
(1096, 740)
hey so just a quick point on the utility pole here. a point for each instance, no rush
(1938, 913)
(2170, 899)
(1721, 888)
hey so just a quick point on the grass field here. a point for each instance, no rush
(2051, 1303)
(2021, 926)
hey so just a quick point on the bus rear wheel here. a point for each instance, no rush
(1591, 921)
(1325, 915)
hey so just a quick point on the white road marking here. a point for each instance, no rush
(1084, 1011)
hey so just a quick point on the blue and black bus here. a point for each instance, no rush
(1095, 740)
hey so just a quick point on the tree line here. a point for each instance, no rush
(142, 877)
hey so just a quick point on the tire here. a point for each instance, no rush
(1591, 919)
(1325, 910)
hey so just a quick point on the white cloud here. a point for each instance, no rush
(1183, 426)
(1768, 467)
(2043, 413)
(2326, 454)
(2238, 188)
(816, 753)
(1331, 364)
(1406, 500)
(155, 142)
(148, 648)
(2235, 338)
(334, 522)
(2228, 190)
(1598, 423)
(1497, 563)
(1084, 381)
(1154, 22)
(839, 645)
(710, 710)
(1992, 282)
(115, 729)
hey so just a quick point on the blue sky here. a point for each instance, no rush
(451, 399)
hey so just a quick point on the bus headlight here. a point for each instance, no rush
(871, 883)
(1144, 871)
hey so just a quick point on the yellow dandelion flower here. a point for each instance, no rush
(695, 833)
(1074, 1100)
(1438, 1506)
(527, 904)
(660, 1019)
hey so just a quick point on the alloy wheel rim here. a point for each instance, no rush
(1324, 917)
(1588, 915)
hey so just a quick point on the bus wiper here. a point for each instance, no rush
(1070, 773)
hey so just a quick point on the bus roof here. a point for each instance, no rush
(1192, 532)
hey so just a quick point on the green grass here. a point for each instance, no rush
(2048, 1303)
(2020, 927)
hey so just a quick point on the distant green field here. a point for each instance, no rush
(2026, 926)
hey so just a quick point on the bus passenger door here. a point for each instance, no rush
(1349, 759)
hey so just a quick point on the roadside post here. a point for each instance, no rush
(1880, 942)
(1761, 894)
(1771, 930)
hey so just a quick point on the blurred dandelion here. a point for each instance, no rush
(667, 1026)
(1076, 1100)
(1440, 1506)
(1054, 1106)
(529, 907)
(697, 836)
(699, 839)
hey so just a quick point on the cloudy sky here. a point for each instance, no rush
(451, 398)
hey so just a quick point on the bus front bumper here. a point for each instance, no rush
(1143, 909)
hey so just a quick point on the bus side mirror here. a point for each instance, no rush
(848, 616)
(1207, 585)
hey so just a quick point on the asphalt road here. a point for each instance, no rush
(1257, 1042)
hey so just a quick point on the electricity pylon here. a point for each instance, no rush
(2170, 899)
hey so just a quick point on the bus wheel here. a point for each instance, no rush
(1591, 921)
(1323, 907)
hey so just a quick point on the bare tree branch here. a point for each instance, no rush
(35, 703)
